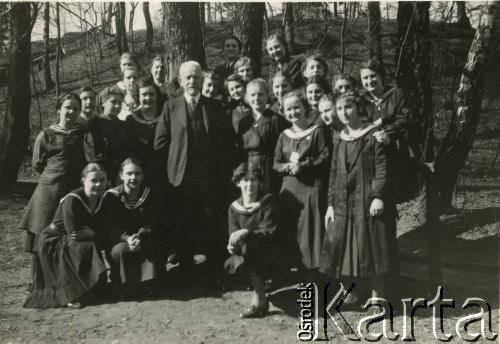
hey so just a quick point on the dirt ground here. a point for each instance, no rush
(200, 315)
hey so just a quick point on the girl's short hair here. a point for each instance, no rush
(258, 82)
(233, 77)
(299, 95)
(131, 68)
(210, 74)
(68, 96)
(321, 81)
(108, 92)
(327, 98)
(282, 74)
(234, 38)
(375, 64)
(244, 171)
(93, 167)
(87, 88)
(281, 40)
(158, 58)
(243, 61)
(131, 160)
(146, 81)
(314, 57)
(353, 97)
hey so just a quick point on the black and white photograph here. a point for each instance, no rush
(249, 172)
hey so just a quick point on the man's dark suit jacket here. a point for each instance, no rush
(172, 137)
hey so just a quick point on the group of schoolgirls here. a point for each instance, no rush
(314, 165)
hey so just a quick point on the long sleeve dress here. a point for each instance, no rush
(355, 243)
(302, 199)
(121, 219)
(261, 220)
(58, 155)
(259, 142)
(66, 269)
(143, 131)
(109, 141)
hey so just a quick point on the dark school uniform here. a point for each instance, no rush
(121, 219)
(302, 200)
(66, 269)
(58, 155)
(109, 141)
(259, 141)
(143, 131)
(356, 243)
(257, 252)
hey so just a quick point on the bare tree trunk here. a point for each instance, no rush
(462, 19)
(148, 45)
(183, 34)
(209, 12)
(458, 141)
(58, 53)
(15, 129)
(123, 30)
(342, 38)
(133, 6)
(49, 84)
(109, 18)
(266, 22)
(248, 28)
(289, 22)
(118, 31)
(202, 23)
(374, 30)
(335, 9)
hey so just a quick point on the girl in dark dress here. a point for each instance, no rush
(67, 260)
(260, 134)
(132, 240)
(252, 227)
(211, 85)
(356, 243)
(130, 101)
(231, 52)
(301, 156)
(157, 71)
(89, 105)
(58, 155)
(342, 83)
(314, 65)
(277, 48)
(109, 140)
(315, 88)
(236, 106)
(388, 111)
(281, 85)
(143, 127)
(245, 67)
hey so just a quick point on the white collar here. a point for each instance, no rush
(346, 136)
(297, 136)
(85, 205)
(253, 206)
(189, 98)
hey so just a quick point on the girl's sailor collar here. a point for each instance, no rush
(238, 206)
(120, 193)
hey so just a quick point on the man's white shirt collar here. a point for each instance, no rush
(189, 98)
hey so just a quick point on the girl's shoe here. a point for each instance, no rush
(74, 305)
(255, 311)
